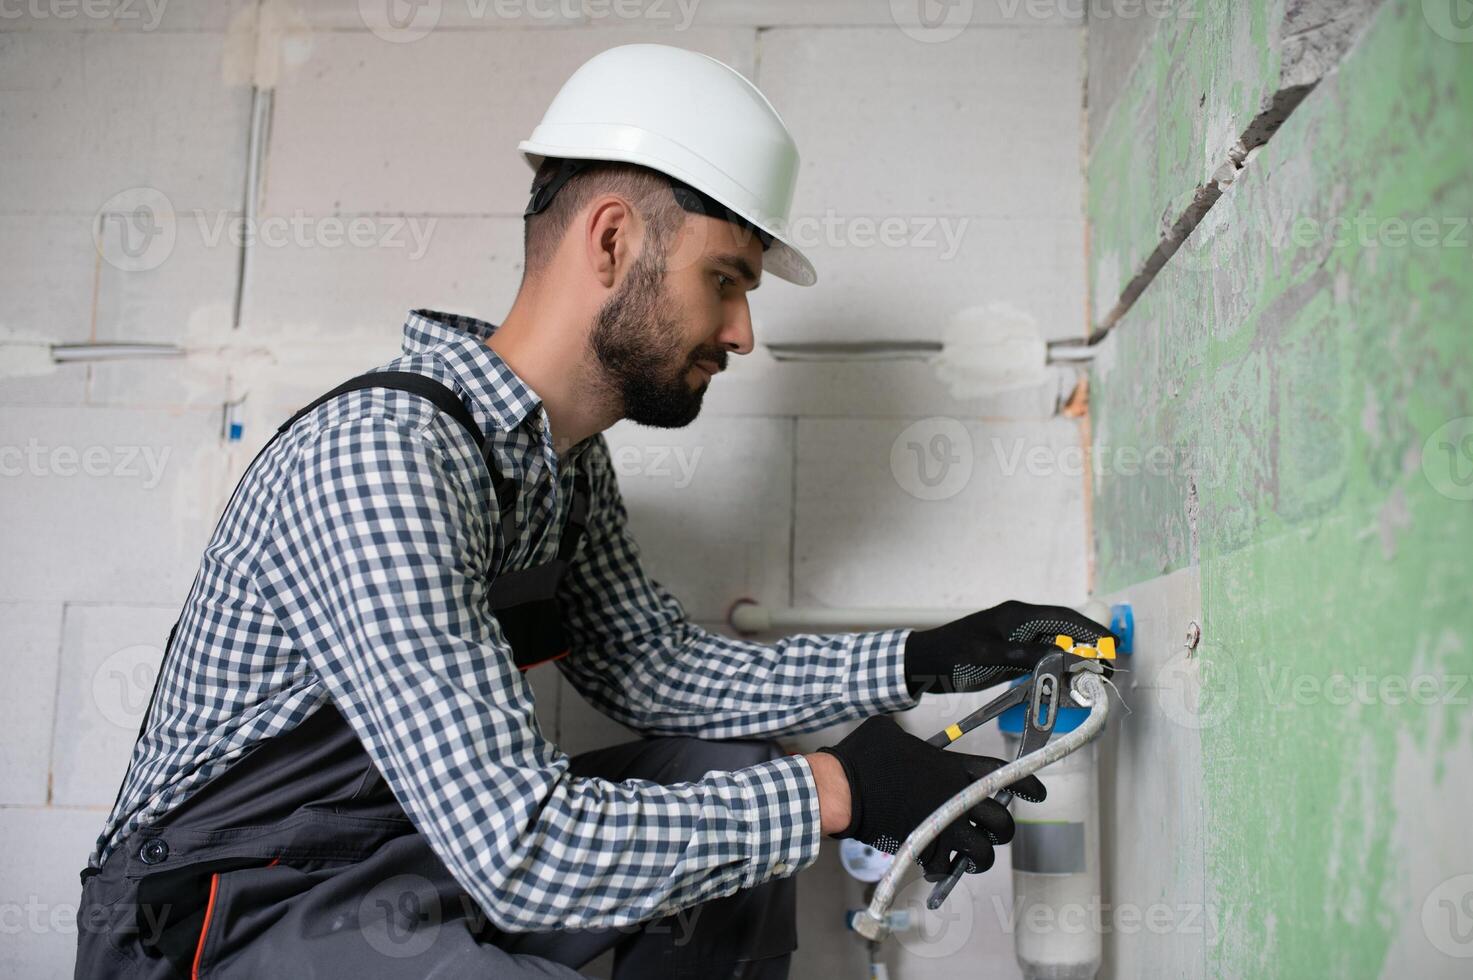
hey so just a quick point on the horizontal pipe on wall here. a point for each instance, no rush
(751, 616)
(747, 616)
(117, 351)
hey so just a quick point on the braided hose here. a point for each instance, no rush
(1087, 689)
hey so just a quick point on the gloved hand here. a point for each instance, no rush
(897, 780)
(991, 646)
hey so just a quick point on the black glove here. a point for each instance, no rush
(991, 646)
(896, 781)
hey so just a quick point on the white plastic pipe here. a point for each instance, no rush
(1087, 689)
(114, 351)
(750, 616)
(747, 616)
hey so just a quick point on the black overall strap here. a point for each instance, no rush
(523, 585)
(525, 600)
(444, 398)
(577, 518)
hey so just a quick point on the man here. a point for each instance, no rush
(340, 773)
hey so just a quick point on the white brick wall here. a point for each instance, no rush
(940, 170)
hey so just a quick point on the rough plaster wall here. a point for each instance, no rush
(1300, 367)
(1207, 83)
(787, 477)
(1118, 31)
(1154, 897)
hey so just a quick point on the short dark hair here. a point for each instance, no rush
(649, 190)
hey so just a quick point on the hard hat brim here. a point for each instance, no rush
(782, 259)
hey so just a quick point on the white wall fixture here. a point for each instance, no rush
(985, 350)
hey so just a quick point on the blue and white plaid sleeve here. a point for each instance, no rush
(375, 562)
(638, 658)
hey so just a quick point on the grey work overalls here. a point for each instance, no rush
(298, 861)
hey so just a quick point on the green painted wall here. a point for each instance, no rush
(1208, 70)
(1294, 386)
(1210, 79)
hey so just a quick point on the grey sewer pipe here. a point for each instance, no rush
(1087, 689)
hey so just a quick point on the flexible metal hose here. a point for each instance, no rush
(1087, 689)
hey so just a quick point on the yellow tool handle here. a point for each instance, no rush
(1104, 648)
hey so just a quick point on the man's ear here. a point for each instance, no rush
(609, 236)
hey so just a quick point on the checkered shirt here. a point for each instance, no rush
(353, 564)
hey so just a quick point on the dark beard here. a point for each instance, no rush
(640, 351)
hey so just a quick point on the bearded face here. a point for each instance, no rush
(647, 360)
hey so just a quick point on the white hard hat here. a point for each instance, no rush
(690, 117)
